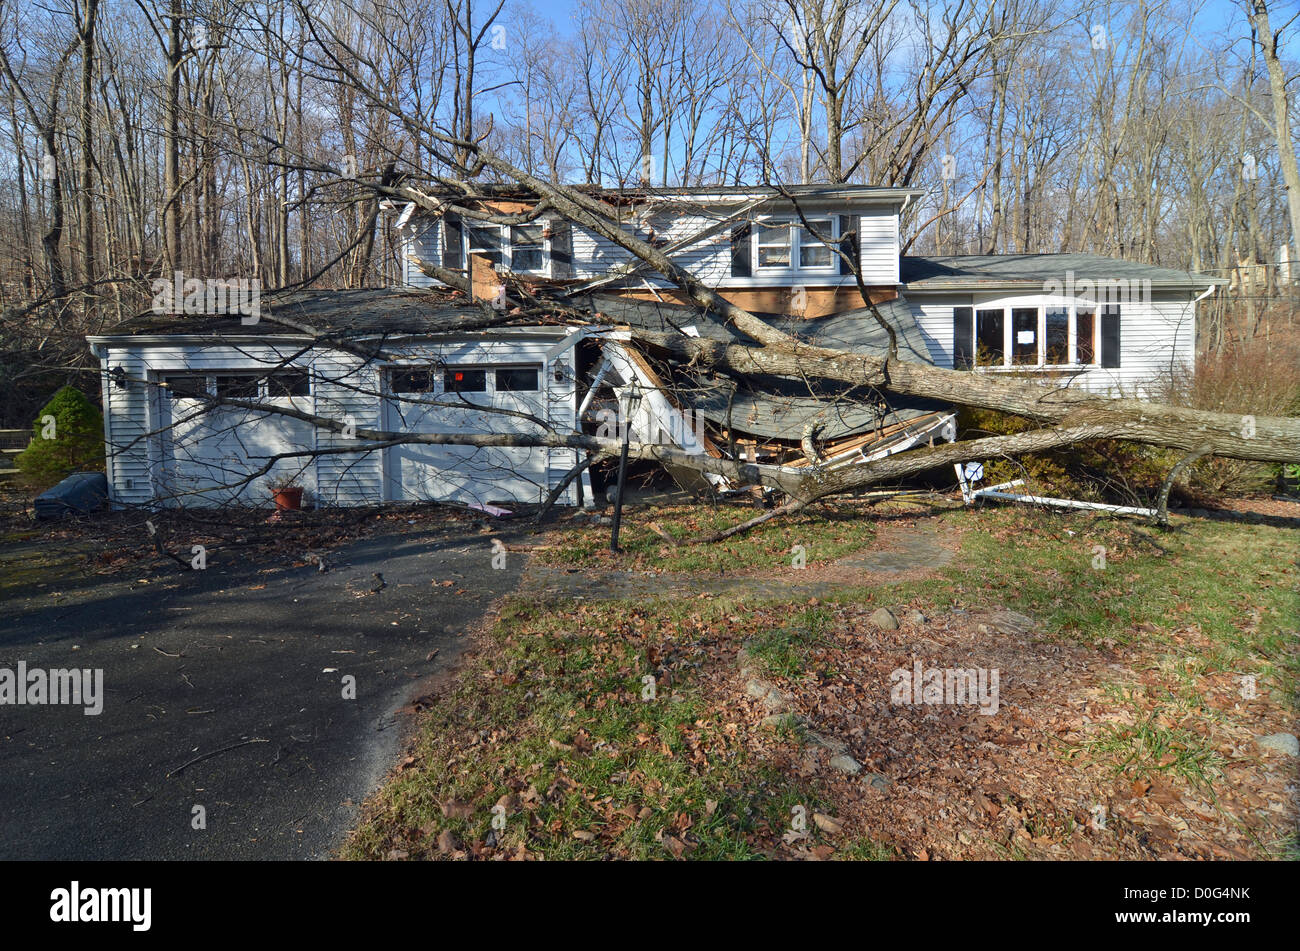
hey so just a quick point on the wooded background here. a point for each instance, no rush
(222, 138)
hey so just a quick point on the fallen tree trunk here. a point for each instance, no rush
(1236, 436)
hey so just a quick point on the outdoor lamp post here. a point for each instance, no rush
(633, 400)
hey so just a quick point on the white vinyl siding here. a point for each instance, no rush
(424, 241)
(1155, 336)
(343, 388)
(709, 258)
(878, 252)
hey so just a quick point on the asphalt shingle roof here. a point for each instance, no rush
(974, 270)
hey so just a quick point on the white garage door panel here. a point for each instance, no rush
(209, 456)
(468, 474)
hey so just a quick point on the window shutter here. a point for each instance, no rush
(561, 250)
(963, 338)
(453, 243)
(740, 251)
(1110, 339)
(849, 244)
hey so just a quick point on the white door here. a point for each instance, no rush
(214, 455)
(471, 399)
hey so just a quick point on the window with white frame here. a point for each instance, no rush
(239, 384)
(528, 248)
(485, 240)
(786, 245)
(522, 249)
(772, 240)
(814, 254)
(1043, 336)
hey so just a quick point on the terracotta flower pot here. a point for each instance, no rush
(288, 499)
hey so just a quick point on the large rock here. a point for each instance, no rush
(1011, 622)
(884, 619)
(1285, 743)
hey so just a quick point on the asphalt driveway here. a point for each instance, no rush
(225, 689)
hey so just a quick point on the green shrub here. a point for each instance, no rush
(1100, 470)
(67, 437)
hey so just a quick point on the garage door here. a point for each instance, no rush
(450, 399)
(212, 455)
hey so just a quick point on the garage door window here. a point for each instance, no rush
(241, 386)
(284, 383)
(517, 379)
(463, 380)
(417, 380)
(185, 385)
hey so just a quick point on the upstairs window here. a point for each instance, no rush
(814, 255)
(527, 248)
(485, 240)
(537, 247)
(773, 246)
(786, 245)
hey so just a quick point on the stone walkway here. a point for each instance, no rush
(897, 550)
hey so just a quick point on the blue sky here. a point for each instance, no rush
(1216, 19)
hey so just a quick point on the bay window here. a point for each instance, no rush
(1056, 336)
(1043, 337)
(1085, 322)
(1024, 341)
(990, 348)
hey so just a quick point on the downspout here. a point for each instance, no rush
(1195, 300)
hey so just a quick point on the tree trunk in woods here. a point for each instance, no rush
(89, 11)
(1277, 80)
(172, 141)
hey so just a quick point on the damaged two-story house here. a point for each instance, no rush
(786, 255)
